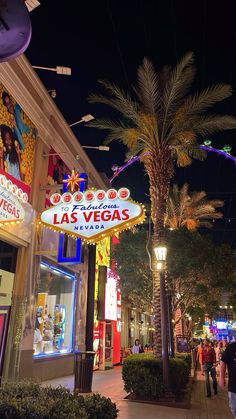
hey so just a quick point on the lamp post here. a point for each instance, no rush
(100, 147)
(161, 253)
(85, 118)
(65, 71)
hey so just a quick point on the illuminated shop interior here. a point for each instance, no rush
(53, 333)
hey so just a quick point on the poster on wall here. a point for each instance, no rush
(57, 170)
(17, 142)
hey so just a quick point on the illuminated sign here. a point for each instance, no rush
(11, 210)
(221, 325)
(92, 215)
(111, 296)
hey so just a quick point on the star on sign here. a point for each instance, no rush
(73, 180)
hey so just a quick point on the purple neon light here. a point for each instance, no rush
(128, 163)
(203, 147)
(220, 152)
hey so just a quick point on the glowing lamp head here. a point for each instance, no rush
(160, 253)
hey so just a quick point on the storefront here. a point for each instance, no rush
(107, 313)
(43, 299)
(17, 148)
(135, 324)
(48, 311)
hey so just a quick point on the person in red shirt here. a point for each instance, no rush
(209, 361)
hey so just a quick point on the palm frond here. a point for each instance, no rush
(197, 197)
(207, 98)
(118, 100)
(148, 90)
(182, 158)
(206, 125)
(116, 128)
(191, 210)
(175, 89)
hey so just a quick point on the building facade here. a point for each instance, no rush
(43, 302)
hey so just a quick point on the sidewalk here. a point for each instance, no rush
(109, 383)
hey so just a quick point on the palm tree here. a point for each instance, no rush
(190, 210)
(161, 123)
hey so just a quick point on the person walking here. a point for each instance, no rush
(209, 361)
(199, 356)
(228, 359)
(136, 349)
(218, 351)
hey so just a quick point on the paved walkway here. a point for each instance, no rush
(109, 383)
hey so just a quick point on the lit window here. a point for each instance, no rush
(54, 313)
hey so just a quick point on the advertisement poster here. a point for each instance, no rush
(56, 172)
(17, 141)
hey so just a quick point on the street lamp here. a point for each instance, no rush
(100, 147)
(85, 118)
(65, 71)
(32, 4)
(161, 253)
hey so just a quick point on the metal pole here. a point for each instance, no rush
(75, 123)
(170, 324)
(165, 358)
(44, 68)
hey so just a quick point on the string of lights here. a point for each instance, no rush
(206, 146)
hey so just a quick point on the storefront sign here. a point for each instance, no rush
(93, 215)
(11, 198)
(111, 296)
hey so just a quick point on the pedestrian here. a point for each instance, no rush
(218, 351)
(199, 356)
(136, 349)
(228, 359)
(209, 361)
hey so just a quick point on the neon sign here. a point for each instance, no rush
(92, 215)
(11, 197)
(111, 296)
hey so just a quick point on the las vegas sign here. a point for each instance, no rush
(93, 215)
(11, 200)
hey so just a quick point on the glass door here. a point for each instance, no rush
(6, 287)
(108, 345)
(4, 321)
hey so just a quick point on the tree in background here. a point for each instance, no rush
(198, 271)
(190, 210)
(161, 122)
(134, 269)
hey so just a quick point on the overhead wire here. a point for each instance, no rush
(118, 44)
(174, 28)
(204, 44)
(141, 8)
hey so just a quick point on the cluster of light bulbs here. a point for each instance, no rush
(11, 187)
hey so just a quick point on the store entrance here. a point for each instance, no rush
(8, 256)
(108, 345)
(6, 288)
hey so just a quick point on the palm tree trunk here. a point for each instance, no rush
(160, 170)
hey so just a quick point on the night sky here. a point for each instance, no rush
(107, 40)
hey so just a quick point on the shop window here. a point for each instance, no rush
(54, 312)
(8, 256)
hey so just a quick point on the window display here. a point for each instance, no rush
(54, 314)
